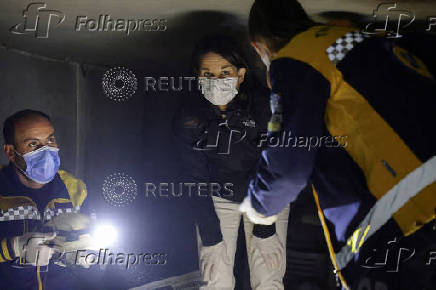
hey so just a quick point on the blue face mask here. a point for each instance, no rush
(41, 164)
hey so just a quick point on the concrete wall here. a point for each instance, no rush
(33, 83)
(99, 137)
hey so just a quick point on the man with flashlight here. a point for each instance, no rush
(33, 191)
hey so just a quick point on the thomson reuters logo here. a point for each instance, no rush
(38, 20)
(119, 189)
(119, 84)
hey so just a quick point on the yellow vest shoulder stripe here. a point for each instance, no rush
(372, 142)
(310, 47)
(373, 145)
(76, 188)
(7, 202)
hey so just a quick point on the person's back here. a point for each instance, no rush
(364, 107)
(380, 99)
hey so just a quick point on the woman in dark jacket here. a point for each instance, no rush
(222, 144)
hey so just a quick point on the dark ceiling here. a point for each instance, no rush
(184, 21)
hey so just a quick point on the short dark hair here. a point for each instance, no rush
(11, 121)
(225, 46)
(220, 44)
(277, 21)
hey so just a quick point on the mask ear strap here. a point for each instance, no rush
(19, 154)
(256, 47)
(259, 49)
(20, 169)
(16, 165)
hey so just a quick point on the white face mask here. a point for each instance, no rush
(265, 58)
(218, 91)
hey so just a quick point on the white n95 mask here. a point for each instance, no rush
(265, 59)
(218, 91)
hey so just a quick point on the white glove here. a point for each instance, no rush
(270, 249)
(33, 248)
(211, 257)
(253, 215)
(75, 258)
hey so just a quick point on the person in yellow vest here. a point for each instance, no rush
(33, 191)
(354, 116)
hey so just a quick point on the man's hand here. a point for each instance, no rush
(270, 249)
(33, 248)
(211, 258)
(254, 216)
(74, 258)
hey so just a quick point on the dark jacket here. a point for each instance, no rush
(22, 210)
(223, 152)
(356, 114)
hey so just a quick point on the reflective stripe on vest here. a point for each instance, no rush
(386, 206)
(409, 196)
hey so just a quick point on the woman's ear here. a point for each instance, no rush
(241, 75)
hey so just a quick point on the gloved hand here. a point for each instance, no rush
(69, 224)
(74, 258)
(253, 215)
(270, 249)
(211, 257)
(73, 231)
(33, 248)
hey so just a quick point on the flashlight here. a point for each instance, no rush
(103, 235)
